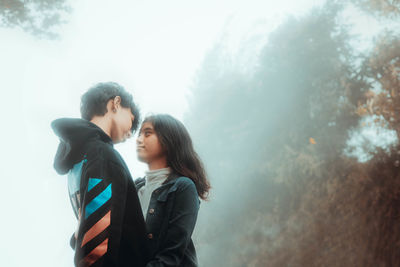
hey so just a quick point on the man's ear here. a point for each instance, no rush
(116, 102)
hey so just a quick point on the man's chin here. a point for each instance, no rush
(118, 141)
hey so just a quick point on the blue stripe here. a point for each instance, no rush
(74, 177)
(92, 183)
(98, 201)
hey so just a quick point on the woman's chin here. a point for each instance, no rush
(141, 159)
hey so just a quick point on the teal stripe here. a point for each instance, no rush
(74, 177)
(92, 183)
(98, 201)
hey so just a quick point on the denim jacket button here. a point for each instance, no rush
(150, 236)
(151, 211)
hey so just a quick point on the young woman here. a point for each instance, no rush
(169, 193)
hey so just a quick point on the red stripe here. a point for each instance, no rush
(96, 229)
(95, 254)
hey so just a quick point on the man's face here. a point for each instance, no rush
(122, 120)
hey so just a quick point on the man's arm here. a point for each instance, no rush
(102, 213)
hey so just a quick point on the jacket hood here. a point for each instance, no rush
(74, 134)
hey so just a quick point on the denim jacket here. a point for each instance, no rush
(170, 221)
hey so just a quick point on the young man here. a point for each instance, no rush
(111, 229)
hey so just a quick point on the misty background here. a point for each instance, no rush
(292, 105)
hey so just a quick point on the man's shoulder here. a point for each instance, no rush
(100, 151)
(104, 160)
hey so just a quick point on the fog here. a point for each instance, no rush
(277, 98)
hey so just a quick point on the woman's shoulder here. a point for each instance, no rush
(184, 180)
(184, 183)
(181, 185)
(187, 189)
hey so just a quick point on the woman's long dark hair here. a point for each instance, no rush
(178, 146)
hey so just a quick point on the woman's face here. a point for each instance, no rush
(148, 147)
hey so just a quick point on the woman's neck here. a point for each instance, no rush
(158, 164)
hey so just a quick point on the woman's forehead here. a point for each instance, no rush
(146, 126)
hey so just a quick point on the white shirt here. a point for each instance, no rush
(153, 179)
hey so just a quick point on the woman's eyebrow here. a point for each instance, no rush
(146, 129)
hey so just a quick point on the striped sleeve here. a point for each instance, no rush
(100, 217)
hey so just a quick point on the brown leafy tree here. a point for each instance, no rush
(380, 8)
(284, 192)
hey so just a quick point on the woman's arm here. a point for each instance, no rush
(180, 227)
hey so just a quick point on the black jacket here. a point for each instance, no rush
(170, 221)
(111, 230)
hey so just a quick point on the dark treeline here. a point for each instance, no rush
(284, 192)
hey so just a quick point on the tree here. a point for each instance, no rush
(380, 8)
(38, 17)
(284, 192)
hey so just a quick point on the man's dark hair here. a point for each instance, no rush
(94, 101)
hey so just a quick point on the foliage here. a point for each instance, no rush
(284, 193)
(38, 17)
(380, 8)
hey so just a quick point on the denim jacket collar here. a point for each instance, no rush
(162, 190)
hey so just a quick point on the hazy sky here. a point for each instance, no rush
(153, 48)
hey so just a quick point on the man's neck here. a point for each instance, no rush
(103, 123)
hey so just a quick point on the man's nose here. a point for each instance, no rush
(129, 135)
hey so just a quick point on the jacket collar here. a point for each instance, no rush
(171, 178)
